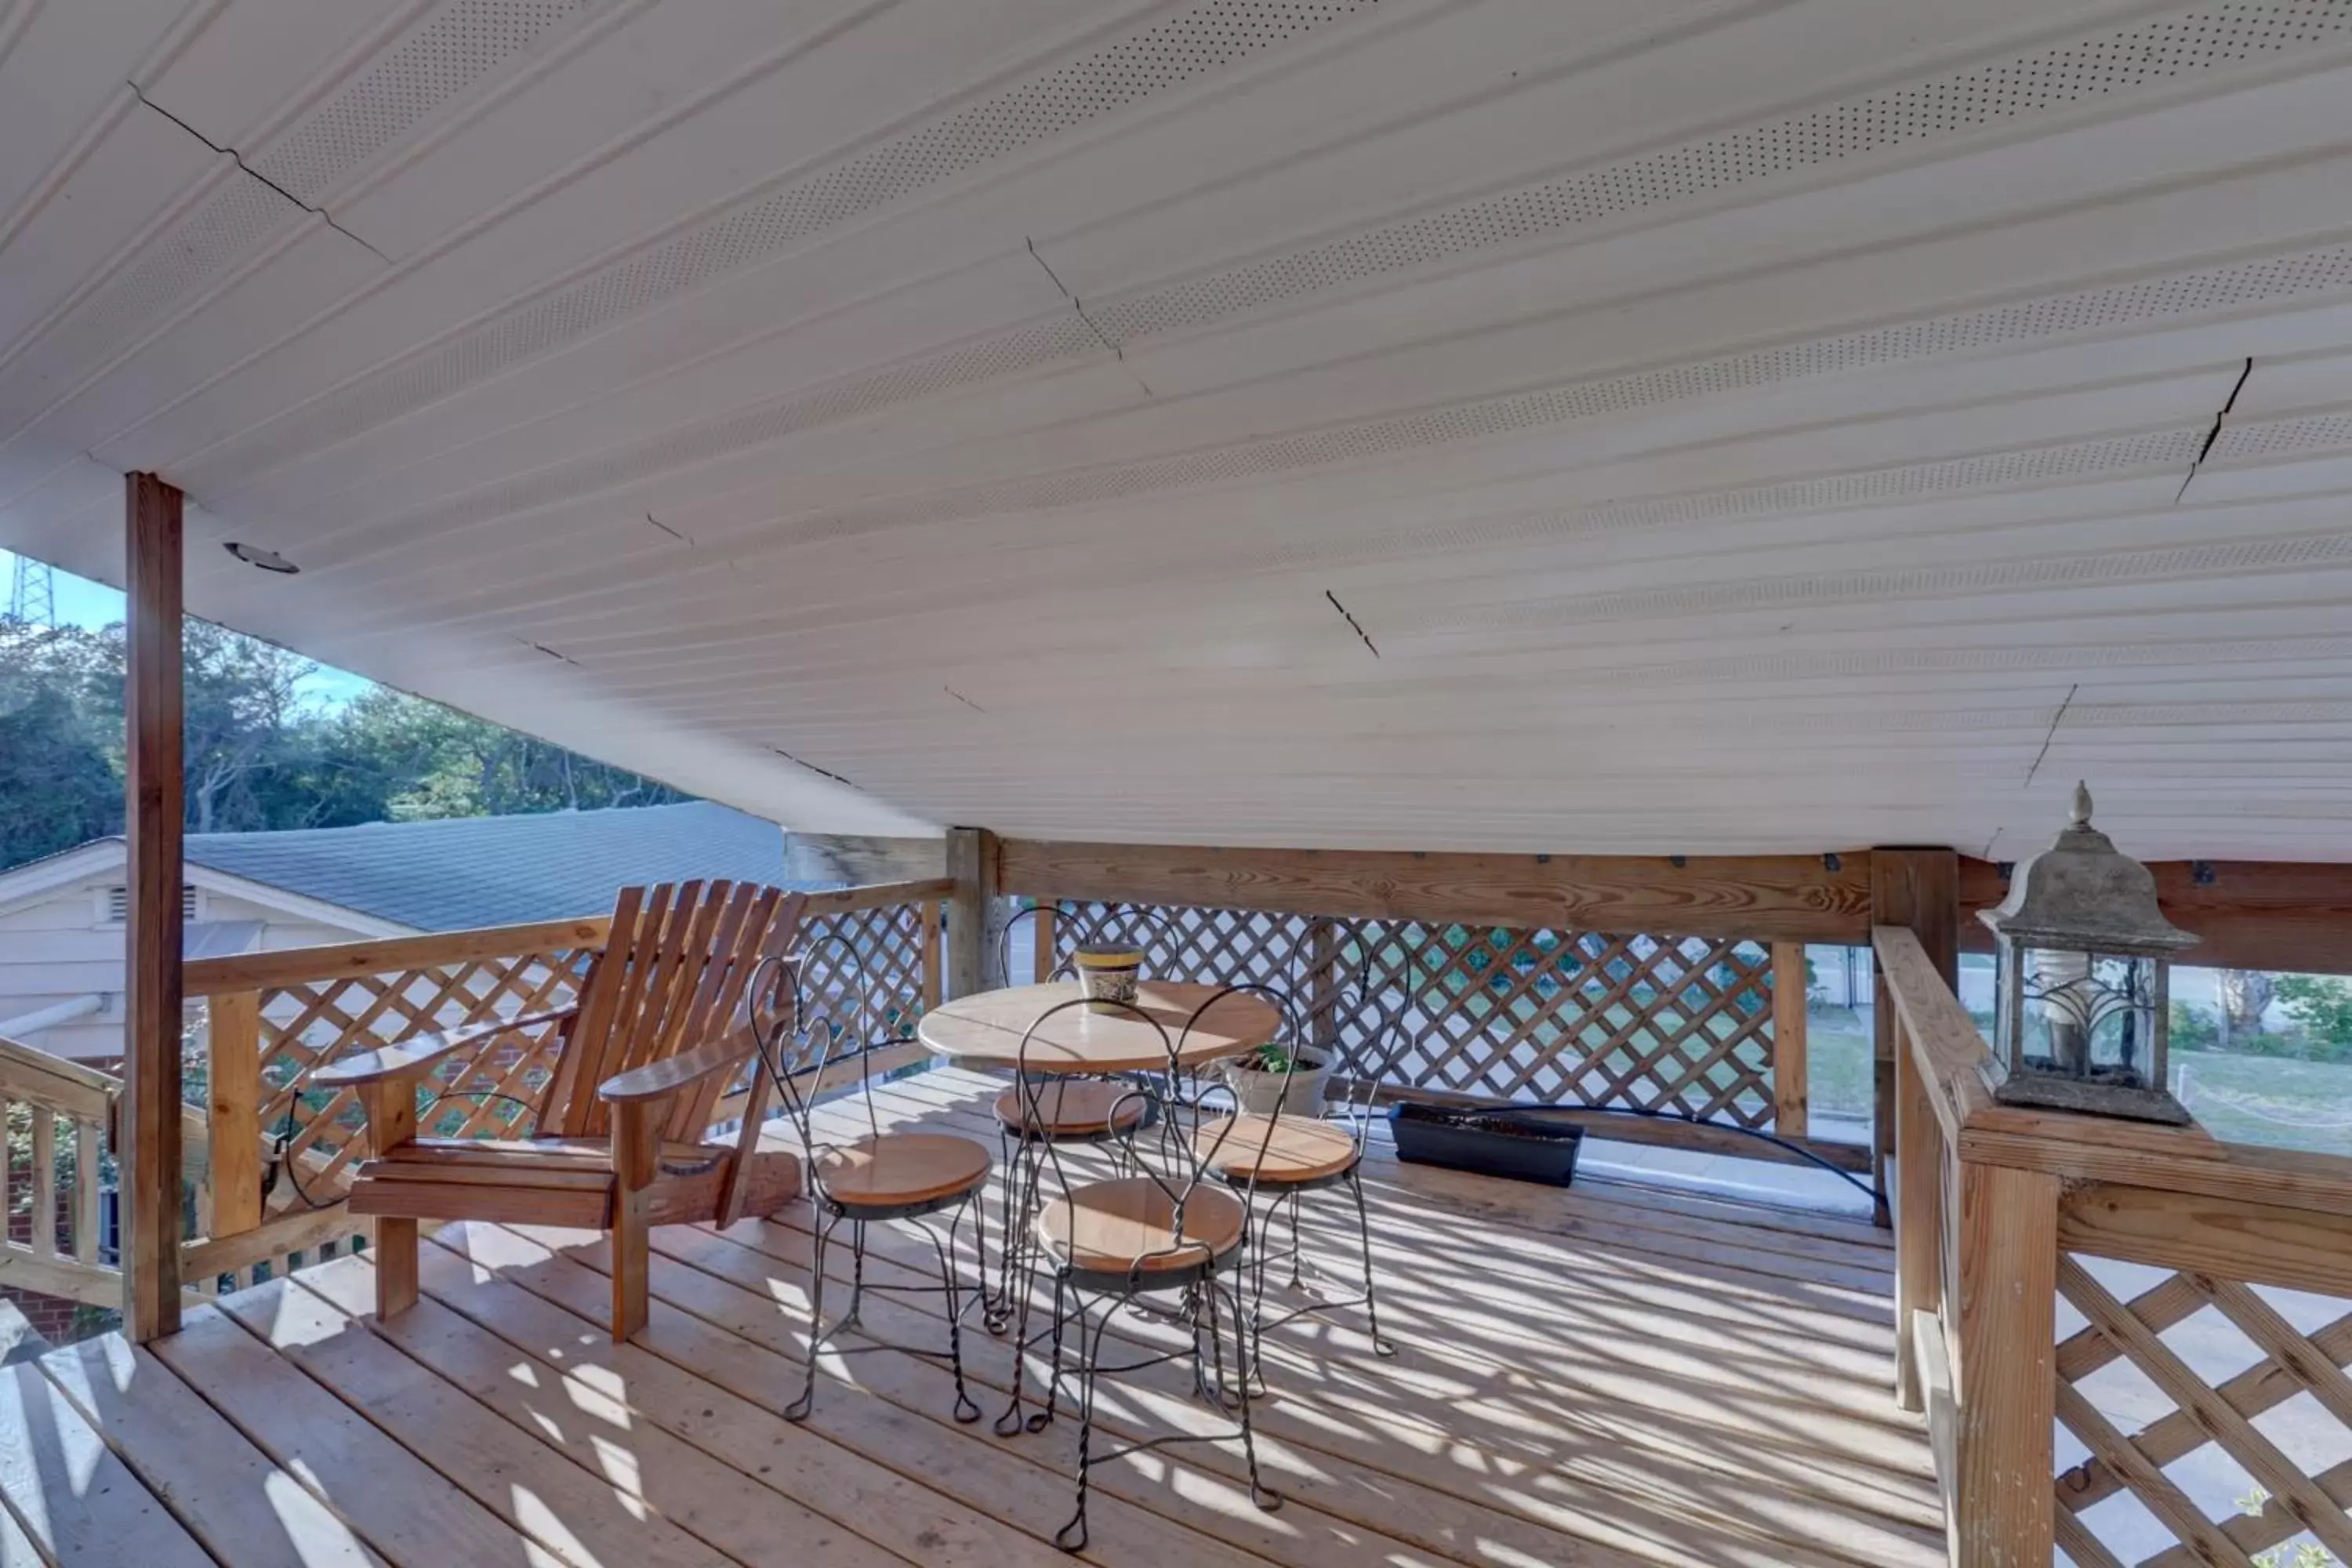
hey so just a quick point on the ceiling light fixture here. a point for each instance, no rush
(254, 555)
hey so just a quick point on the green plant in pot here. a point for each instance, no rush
(1279, 1074)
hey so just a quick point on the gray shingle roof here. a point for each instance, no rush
(450, 874)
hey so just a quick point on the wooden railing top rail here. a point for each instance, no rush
(1961, 1071)
(1954, 1061)
(30, 1074)
(879, 895)
(378, 955)
(344, 960)
(1790, 897)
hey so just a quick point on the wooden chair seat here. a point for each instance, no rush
(1301, 1150)
(1070, 1108)
(896, 1170)
(555, 1181)
(1129, 1226)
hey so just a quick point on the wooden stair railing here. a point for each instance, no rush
(2002, 1213)
(65, 1107)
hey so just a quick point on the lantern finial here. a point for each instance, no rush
(2081, 815)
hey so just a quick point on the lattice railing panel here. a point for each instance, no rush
(1550, 1016)
(492, 1089)
(2211, 1421)
(884, 950)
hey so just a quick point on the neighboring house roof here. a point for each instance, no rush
(456, 872)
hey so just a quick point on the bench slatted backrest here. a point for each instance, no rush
(669, 979)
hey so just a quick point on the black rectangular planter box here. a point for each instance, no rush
(1511, 1143)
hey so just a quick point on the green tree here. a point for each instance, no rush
(2321, 1004)
(258, 755)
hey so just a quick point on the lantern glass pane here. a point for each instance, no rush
(2088, 1015)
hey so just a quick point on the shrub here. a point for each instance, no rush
(2321, 1004)
(2194, 1028)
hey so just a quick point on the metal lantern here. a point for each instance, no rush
(2086, 956)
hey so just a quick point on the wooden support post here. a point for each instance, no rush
(1789, 1096)
(2005, 1373)
(1919, 888)
(156, 801)
(934, 959)
(390, 1107)
(973, 864)
(233, 1109)
(1918, 1216)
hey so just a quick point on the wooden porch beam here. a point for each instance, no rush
(2293, 915)
(154, 804)
(1788, 898)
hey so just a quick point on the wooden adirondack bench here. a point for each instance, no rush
(619, 1141)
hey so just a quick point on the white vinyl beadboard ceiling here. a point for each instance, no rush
(1661, 425)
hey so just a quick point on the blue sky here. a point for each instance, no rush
(82, 602)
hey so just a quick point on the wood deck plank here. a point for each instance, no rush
(242, 1506)
(77, 1505)
(537, 1490)
(1386, 1453)
(1908, 1497)
(401, 1506)
(1577, 1272)
(744, 1342)
(1862, 1276)
(597, 1423)
(1604, 1344)
(1596, 1378)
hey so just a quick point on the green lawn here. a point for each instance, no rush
(2269, 1100)
(2242, 1098)
(1837, 1050)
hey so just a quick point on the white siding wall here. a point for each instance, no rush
(58, 948)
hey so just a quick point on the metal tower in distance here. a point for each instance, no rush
(33, 596)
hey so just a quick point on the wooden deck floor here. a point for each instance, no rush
(1609, 1375)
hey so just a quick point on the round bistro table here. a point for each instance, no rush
(985, 1030)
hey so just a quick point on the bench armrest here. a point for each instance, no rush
(411, 1056)
(655, 1079)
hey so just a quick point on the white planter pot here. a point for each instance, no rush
(1297, 1093)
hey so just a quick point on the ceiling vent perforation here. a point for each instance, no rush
(2158, 50)
(1213, 36)
(453, 49)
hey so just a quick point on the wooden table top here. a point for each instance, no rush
(985, 1029)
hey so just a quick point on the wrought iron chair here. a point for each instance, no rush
(1170, 1230)
(1064, 1109)
(1284, 1156)
(880, 1177)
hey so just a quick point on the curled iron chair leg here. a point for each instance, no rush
(1009, 1422)
(1264, 1497)
(1063, 1291)
(1297, 1279)
(953, 1294)
(850, 1318)
(798, 1410)
(1381, 1345)
(996, 1308)
(1072, 1537)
